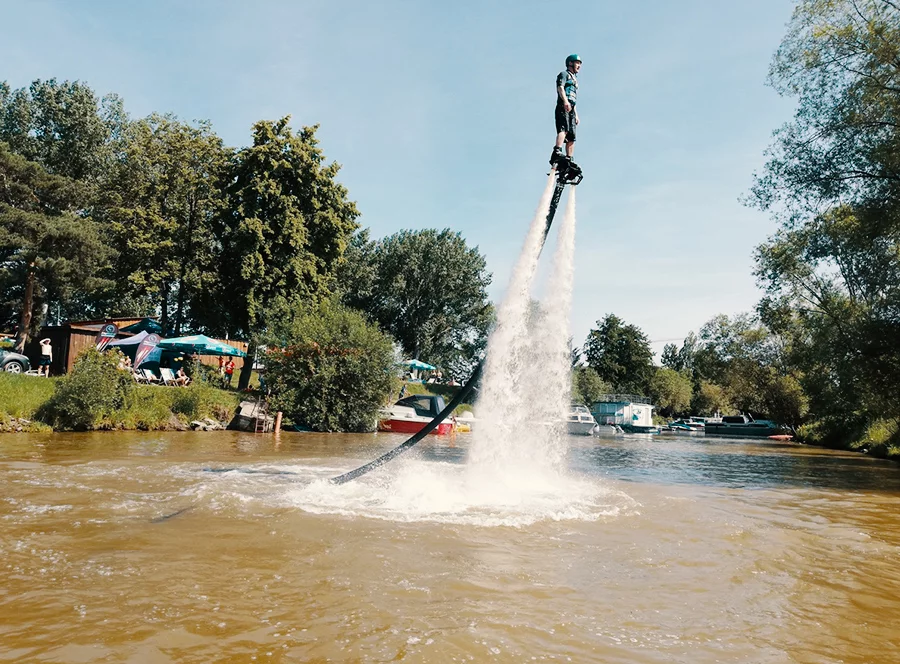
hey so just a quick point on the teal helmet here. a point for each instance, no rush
(572, 58)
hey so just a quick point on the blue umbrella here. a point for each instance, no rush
(418, 365)
(200, 344)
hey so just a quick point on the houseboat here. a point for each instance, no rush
(632, 412)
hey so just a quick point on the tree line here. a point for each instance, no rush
(821, 351)
(103, 215)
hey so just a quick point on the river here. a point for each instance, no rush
(227, 547)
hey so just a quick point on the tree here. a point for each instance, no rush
(428, 289)
(330, 370)
(62, 126)
(587, 386)
(710, 399)
(620, 354)
(671, 391)
(833, 181)
(283, 230)
(47, 249)
(159, 205)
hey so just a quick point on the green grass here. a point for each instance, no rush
(149, 406)
(21, 396)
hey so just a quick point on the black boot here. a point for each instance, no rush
(556, 155)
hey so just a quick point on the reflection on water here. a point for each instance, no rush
(199, 547)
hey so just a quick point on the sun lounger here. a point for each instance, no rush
(150, 377)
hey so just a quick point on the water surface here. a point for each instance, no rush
(225, 547)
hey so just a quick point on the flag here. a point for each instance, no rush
(106, 334)
(143, 350)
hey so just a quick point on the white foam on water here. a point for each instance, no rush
(416, 490)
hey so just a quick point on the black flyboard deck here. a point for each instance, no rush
(567, 172)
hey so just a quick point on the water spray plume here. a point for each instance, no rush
(524, 398)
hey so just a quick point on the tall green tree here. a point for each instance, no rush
(284, 228)
(159, 205)
(48, 249)
(671, 391)
(428, 289)
(587, 386)
(63, 126)
(620, 354)
(833, 181)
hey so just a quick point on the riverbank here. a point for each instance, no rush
(24, 401)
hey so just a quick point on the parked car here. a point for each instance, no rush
(14, 362)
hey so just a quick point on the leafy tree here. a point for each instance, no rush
(671, 391)
(833, 180)
(284, 228)
(670, 358)
(710, 399)
(159, 206)
(681, 359)
(620, 354)
(587, 386)
(331, 370)
(429, 290)
(62, 126)
(47, 250)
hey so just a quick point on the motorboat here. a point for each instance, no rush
(580, 422)
(412, 413)
(744, 425)
(686, 426)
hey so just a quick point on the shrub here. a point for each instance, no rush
(86, 397)
(331, 370)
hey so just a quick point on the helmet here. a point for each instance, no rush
(572, 58)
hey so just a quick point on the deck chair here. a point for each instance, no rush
(168, 378)
(138, 376)
(150, 377)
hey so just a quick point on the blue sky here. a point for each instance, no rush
(441, 115)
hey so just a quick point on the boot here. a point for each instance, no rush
(556, 155)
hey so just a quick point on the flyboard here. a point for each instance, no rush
(567, 172)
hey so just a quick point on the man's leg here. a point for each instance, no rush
(560, 139)
(570, 148)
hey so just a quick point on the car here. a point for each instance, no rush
(14, 362)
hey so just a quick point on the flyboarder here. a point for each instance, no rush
(566, 115)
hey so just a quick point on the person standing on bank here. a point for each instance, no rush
(46, 358)
(566, 116)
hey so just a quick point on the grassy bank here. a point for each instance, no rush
(147, 407)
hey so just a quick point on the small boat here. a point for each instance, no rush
(580, 422)
(412, 413)
(685, 426)
(744, 425)
(782, 436)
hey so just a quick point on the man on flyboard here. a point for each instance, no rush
(566, 115)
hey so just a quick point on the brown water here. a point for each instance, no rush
(654, 550)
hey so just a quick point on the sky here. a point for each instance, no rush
(441, 115)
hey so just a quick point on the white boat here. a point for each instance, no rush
(580, 422)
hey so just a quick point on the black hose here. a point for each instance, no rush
(427, 429)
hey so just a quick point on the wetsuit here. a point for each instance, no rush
(565, 121)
